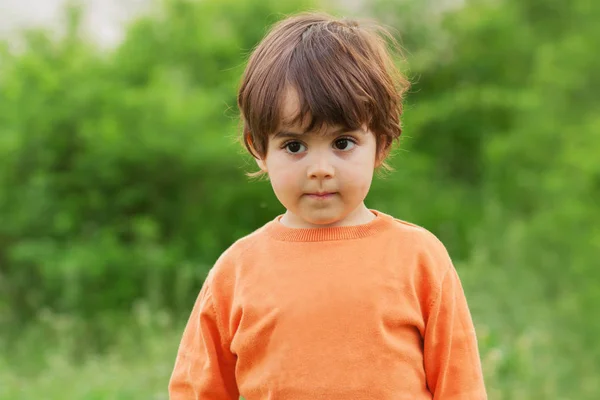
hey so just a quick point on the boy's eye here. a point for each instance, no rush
(344, 144)
(294, 147)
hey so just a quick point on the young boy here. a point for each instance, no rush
(330, 300)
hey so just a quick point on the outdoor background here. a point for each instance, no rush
(121, 182)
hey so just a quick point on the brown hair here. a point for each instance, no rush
(342, 72)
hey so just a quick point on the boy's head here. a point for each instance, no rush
(333, 83)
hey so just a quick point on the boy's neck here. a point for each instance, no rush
(360, 216)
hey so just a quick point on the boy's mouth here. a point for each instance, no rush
(321, 195)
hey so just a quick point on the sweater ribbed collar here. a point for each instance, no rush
(278, 231)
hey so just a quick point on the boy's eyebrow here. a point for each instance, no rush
(289, 134)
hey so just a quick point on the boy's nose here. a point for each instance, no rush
(320, 168)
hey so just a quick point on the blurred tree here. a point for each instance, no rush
(120, 178)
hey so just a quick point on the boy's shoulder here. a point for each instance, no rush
(237, 252)
(419, 237)
(418, 243)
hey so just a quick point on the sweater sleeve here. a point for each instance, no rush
(204, 367)
(451, 356)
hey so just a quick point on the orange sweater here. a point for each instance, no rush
(374, 311)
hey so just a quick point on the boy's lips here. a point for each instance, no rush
(320, 195)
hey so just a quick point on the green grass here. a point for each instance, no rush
(110, 376)
(52, 361)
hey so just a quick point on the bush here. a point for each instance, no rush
(120, 178)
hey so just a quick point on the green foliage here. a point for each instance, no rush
(121, 180)
(115, 168)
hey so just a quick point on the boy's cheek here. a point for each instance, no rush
(285, 184)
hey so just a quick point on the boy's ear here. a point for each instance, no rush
(259, 161)
(261, 164)
(380, 157)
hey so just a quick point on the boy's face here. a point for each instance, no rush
(322, 180)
